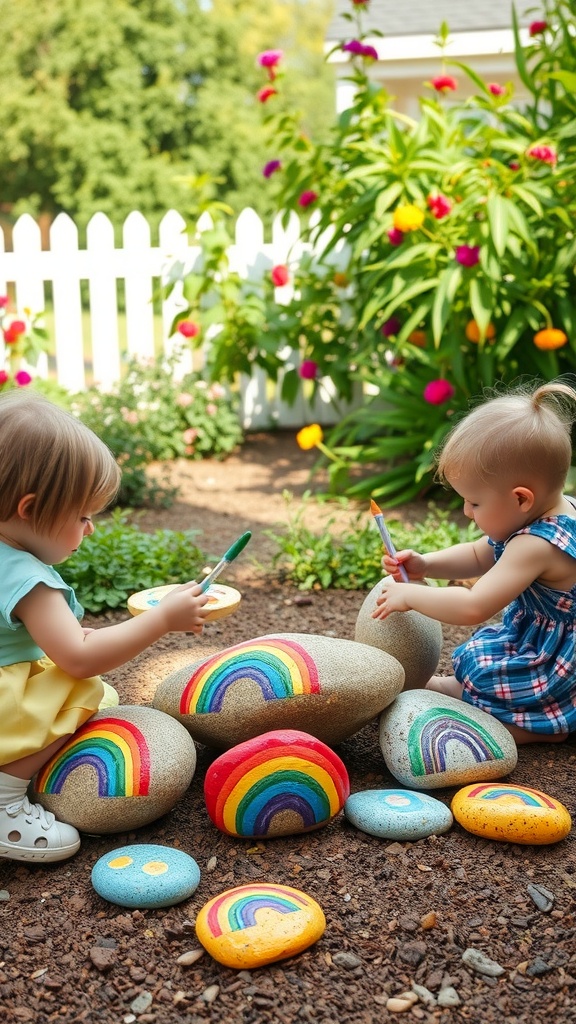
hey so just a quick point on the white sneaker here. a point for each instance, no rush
(29, 833)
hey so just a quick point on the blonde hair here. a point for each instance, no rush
(49, 453)
(514, 438)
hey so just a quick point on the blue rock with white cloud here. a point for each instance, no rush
(398, 814)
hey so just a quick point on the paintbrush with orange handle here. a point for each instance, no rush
(386, 538)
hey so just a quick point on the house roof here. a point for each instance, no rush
(423, 17)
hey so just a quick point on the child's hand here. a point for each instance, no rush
(394, 598)
(184, 608)
(414, 564)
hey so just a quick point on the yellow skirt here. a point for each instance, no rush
(39, 703)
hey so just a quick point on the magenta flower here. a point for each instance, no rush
(468, 255)
(438, 391)
(439, 205)
(496, 89)
(4, 300)
(272, 166)
(265, 93)
(270, 58)
(395, 236)
(188, 329)
(514, 165)
(4, 377)
(307, 198)
(280, 275)
(22, 378)
(391, 326)
(308, 369)
(360, 49)
(360, 3)
(536, 28)
(444, 83)
(544, 153)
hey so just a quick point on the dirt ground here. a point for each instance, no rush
(398, 915)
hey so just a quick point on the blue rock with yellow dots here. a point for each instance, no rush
(145, 876)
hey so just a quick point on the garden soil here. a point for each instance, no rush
(399, 915)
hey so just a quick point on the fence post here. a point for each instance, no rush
(103, 301)
(68, 340)
(27, 243)
(138, 286)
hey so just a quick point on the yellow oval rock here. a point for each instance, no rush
(252, 925)
(512, 814)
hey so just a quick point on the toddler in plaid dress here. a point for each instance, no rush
(508, 459)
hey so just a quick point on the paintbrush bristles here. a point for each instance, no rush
(374, 508)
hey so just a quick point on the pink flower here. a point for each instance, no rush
(544, 153)
(280, 275)
(190, 435)
(468, 255)
(4, 300)
(270, 58)
(22, 378)
(392, 326)
(308, 369)
(444, 83)
(514, 165)
(395, 236)
(4, 377)
(184, 400)
(211, 409)
(536, 28)
(439, 205)
(360, 3)
(188, 329)
(265, 93)
(307, 198)
(438, 391)
(270, 167)
(216, 390)
(496, 89)
(360, 49)
(14, 331)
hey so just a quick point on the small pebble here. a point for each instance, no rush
(190, 957)
(481, 963)
(448, 997)
(401, 1003)
(347, 960)
(424, 995)
(429, 920)
(4, 894)
(542, 897)
(211, 864)
(538, 966)
(102, 958)
(211, 993)
(141, 1003)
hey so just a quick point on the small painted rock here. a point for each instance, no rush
(123, 768)
(397, 814)
(413, 639)
(278, 784)
(222, 600)
(145, 876)
(430, 740)
(512, 814)
(324, 686)
(253, 925)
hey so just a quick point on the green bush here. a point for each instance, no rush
(147, 417)
(351, 560)
(119, 560)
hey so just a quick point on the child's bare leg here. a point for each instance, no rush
(26, 767)
(524, 736)
(445, 684)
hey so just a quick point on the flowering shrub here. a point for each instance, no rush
(24, 340)
(147, 417)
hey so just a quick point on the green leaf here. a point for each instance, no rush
(447, 287)
(567, 78)
(481, 303)
(497, 209)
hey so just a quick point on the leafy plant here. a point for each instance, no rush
(25, 339)
(119, 560)
(351, 560)
(147, 417)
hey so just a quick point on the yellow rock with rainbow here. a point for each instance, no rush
(253, 925)
(511, 814)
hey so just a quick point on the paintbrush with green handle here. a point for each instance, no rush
(229, 556)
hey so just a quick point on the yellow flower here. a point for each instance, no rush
(408, 218)
(309, 437)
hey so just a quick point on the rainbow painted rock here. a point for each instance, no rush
(327, 687)
(512, 814)
(430, 740)
(413, 639)
(145, 876)
(278, 784)
(397, 814)
(253, 925)
(125, 767)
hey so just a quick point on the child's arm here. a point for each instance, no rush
(55, 629)
(524, 559)
(460, 562)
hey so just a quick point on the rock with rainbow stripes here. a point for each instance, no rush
(324, 686)
(123, 768)
(281, 783)
(430, 740)
(511, 814)
(253, 925)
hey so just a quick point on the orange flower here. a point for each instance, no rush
(473, 332)
(309, 437)
(418, 338)
(549, 339)
(340, 279)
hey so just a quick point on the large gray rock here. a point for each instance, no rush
(324, 686)
(430, 740)
(413, 639)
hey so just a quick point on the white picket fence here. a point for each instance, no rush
(142, 266)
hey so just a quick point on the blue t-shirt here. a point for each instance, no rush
(20, 572)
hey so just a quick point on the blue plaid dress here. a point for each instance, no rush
(524, 670)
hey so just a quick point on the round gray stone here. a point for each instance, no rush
(412, 638)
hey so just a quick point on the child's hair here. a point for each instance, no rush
(47, 452)
(514, 438)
